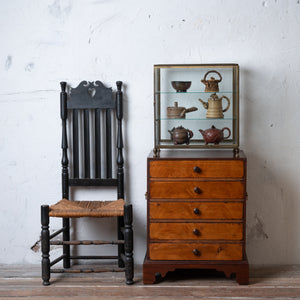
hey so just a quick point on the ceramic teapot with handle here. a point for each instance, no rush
(212, 84)
(214, 106)
(214, 135)
(178, 112)
(180, 135)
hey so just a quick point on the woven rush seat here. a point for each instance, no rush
(66, 208)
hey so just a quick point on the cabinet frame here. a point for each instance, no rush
(162, 143)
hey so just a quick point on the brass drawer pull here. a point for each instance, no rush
(197, 190)
(197, 169)
(197, 211)
(196, 252)
(196, 232)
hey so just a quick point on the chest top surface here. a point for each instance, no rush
(198, 154)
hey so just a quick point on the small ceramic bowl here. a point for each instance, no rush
(181, 86)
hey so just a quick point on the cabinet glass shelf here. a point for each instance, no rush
(195, 119)
(194, 92)
(199, 102)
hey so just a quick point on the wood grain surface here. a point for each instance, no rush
(195, 251)
(196, 210)
(206, 169)
(188, 189)
(265, 282)
(188, 231)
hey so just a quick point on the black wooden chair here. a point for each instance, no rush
(86, 113)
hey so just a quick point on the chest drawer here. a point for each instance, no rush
(196, 210)
(197, 189)
(195, 251)
(197, 169)
(196, 231)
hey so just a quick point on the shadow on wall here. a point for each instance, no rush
(268, 208)
(139, 229)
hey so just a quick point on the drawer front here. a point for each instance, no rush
(194, 251)
(197, 189)
(196, 231)
(196, 210)
(197, 169)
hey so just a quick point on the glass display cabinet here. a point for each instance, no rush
(196, 106)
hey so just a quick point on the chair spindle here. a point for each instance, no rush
(75, 144)
(108, 145)
(86, 144)
(97, 144)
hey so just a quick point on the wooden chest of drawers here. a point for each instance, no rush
(196, 213)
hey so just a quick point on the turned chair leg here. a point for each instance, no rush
(121, 250)
(66, 248)
(45, 240)
(128, 244)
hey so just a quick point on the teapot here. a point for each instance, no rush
(180, 135)
(178, 112)
(214, 135)
(214, 107)
(212, 84)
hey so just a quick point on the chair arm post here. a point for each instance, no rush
(65, 170)
(120, 159)
(64, 143)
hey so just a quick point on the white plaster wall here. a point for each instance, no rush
(44, 42)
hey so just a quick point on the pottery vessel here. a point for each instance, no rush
(180, 135)
(212, 84)
(178, 112)
(214, 106)
(181, 86)
(214, 135)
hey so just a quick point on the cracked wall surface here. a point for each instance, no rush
(45, 42)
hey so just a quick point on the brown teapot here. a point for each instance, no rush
(178, 112)
(214, 135)
(180, 135)
(212, 84)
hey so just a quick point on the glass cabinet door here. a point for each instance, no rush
(196, 106)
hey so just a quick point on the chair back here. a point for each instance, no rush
(88, 124)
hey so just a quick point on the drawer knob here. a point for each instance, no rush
(197, 169)
(219, 250)
(197, 190)
(196, 211)
(196, 252)
(196, 232)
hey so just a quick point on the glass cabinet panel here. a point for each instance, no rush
(196, 106)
